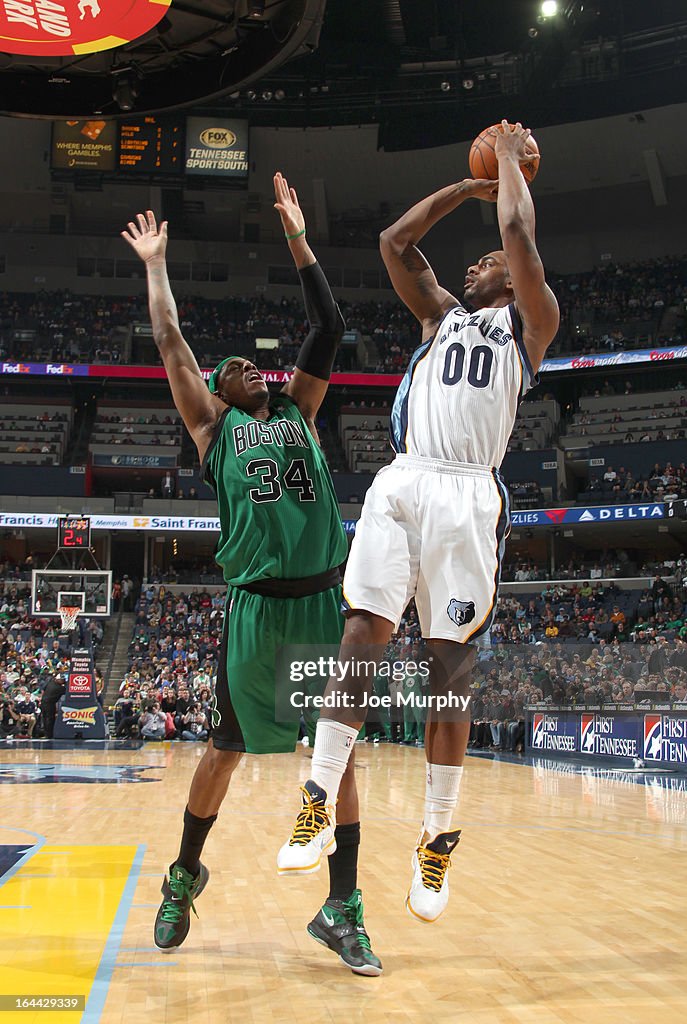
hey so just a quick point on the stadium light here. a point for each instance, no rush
(125, 87)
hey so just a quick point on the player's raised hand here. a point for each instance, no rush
(286, 203)
(145, 238)
(511, 140)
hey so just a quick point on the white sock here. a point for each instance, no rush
(333, 745)
(441, 797)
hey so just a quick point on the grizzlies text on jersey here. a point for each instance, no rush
(459, 398)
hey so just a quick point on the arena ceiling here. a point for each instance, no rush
(425, 71)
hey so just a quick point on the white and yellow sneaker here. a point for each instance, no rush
(313, 834)
(428, 893)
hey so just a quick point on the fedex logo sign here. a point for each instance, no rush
(16, 368)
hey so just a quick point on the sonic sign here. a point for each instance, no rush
(57, 28)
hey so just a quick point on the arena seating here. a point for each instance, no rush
(120, 429)
(649, 416)
(611, 307)
(33, 432)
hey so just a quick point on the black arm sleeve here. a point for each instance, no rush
(327, 325)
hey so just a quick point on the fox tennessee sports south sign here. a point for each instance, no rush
(56, 28)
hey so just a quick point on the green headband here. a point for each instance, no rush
(214, 376)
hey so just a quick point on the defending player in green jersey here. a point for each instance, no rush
(280, 548)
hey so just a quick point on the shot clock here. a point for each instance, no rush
(73, 533)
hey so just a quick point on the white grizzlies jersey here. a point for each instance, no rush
(460, 395)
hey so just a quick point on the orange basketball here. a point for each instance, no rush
(483, 162)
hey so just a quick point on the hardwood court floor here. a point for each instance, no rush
(568, 897)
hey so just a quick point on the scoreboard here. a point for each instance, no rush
(74, 533)
(151, 145)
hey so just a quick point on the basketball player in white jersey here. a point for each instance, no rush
(434, 522)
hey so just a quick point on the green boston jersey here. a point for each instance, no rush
(279, 517)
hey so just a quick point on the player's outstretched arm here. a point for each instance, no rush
(199, 409)
(534, 299)
(310, 380)
(411, 275)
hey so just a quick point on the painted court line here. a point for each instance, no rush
(138, 949)
(103, 975)
(39, 841)
(150, 963)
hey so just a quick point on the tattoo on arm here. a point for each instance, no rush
(411, 259)
(414, 263)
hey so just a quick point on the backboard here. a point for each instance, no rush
(90, 589)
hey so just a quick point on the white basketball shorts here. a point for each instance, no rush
(435, 531)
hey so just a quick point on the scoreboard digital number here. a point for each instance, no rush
(74, 533)
(151, 145)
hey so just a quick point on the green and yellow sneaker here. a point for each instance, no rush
(174, 916)
(340, 926)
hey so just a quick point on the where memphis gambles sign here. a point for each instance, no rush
(48, 28)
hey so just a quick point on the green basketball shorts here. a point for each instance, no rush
(255, 628)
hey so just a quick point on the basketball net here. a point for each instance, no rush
(69, 614)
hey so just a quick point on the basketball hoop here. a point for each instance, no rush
(69, 614)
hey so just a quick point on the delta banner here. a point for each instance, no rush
(592, 514)
(657, 738)
(62, 28)
(217, 147)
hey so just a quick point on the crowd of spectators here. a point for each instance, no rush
(609, 564)
(586, 644)
(594, 675)
(70, 327)
(589, 643)
(632, 294)
(591, 612)
(34, 665)
(168, 688)
(663, 483)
